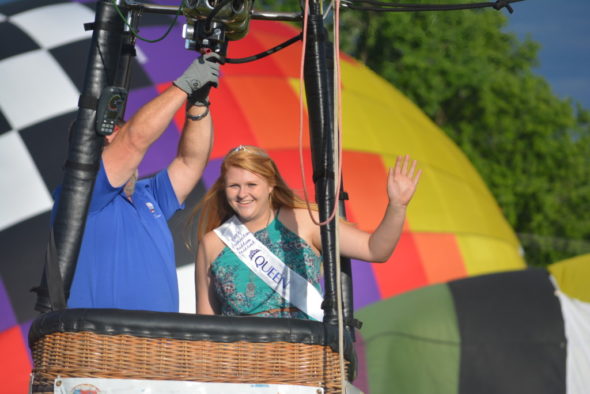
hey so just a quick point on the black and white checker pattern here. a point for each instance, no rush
(35, 88)
(43, 58)
(38, 100)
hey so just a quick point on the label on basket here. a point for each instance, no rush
(134, 386)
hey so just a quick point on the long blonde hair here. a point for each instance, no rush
(214, 208)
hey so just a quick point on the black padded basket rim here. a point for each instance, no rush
(190, 327)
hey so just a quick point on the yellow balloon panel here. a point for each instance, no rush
(484, 255)
(398, 122)
(445, 203)
(452, 197)
(372, 105)
(572, 276)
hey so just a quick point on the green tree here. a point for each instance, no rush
(477, 83)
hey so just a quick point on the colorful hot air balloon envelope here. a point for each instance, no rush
(454, 228)
(523, 331)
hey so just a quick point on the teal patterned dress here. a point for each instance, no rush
(239, 291)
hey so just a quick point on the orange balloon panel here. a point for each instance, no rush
(231, 122)
(440, 269)
(269, 35)
(270, 107)
(365, 182)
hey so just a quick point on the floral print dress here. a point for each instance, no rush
(239, 291)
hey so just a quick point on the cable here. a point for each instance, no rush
(400, 7)
(338, 159)
(328, 9)
(270, 51)
(301, 83)
(209, 19)
(134, 32)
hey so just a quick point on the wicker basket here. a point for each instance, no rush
(108, 343)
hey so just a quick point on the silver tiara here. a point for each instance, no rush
(244, 148)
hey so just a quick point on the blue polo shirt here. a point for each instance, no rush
(127, 258)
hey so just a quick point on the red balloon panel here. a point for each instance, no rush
(256, 42)
(230, 121)
(403, 271)
(14, 375)
(288, 162)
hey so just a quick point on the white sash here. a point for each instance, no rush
(282, 279)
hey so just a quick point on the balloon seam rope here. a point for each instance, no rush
(338, 158)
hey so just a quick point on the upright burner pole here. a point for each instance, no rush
(84, 150)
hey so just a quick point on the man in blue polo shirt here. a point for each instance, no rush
(127, 258)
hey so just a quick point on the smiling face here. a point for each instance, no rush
(248, 195)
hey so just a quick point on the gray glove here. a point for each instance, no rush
(197, 79)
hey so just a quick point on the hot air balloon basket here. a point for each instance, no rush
(116, 344)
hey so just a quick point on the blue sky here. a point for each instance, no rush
(563, 30)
